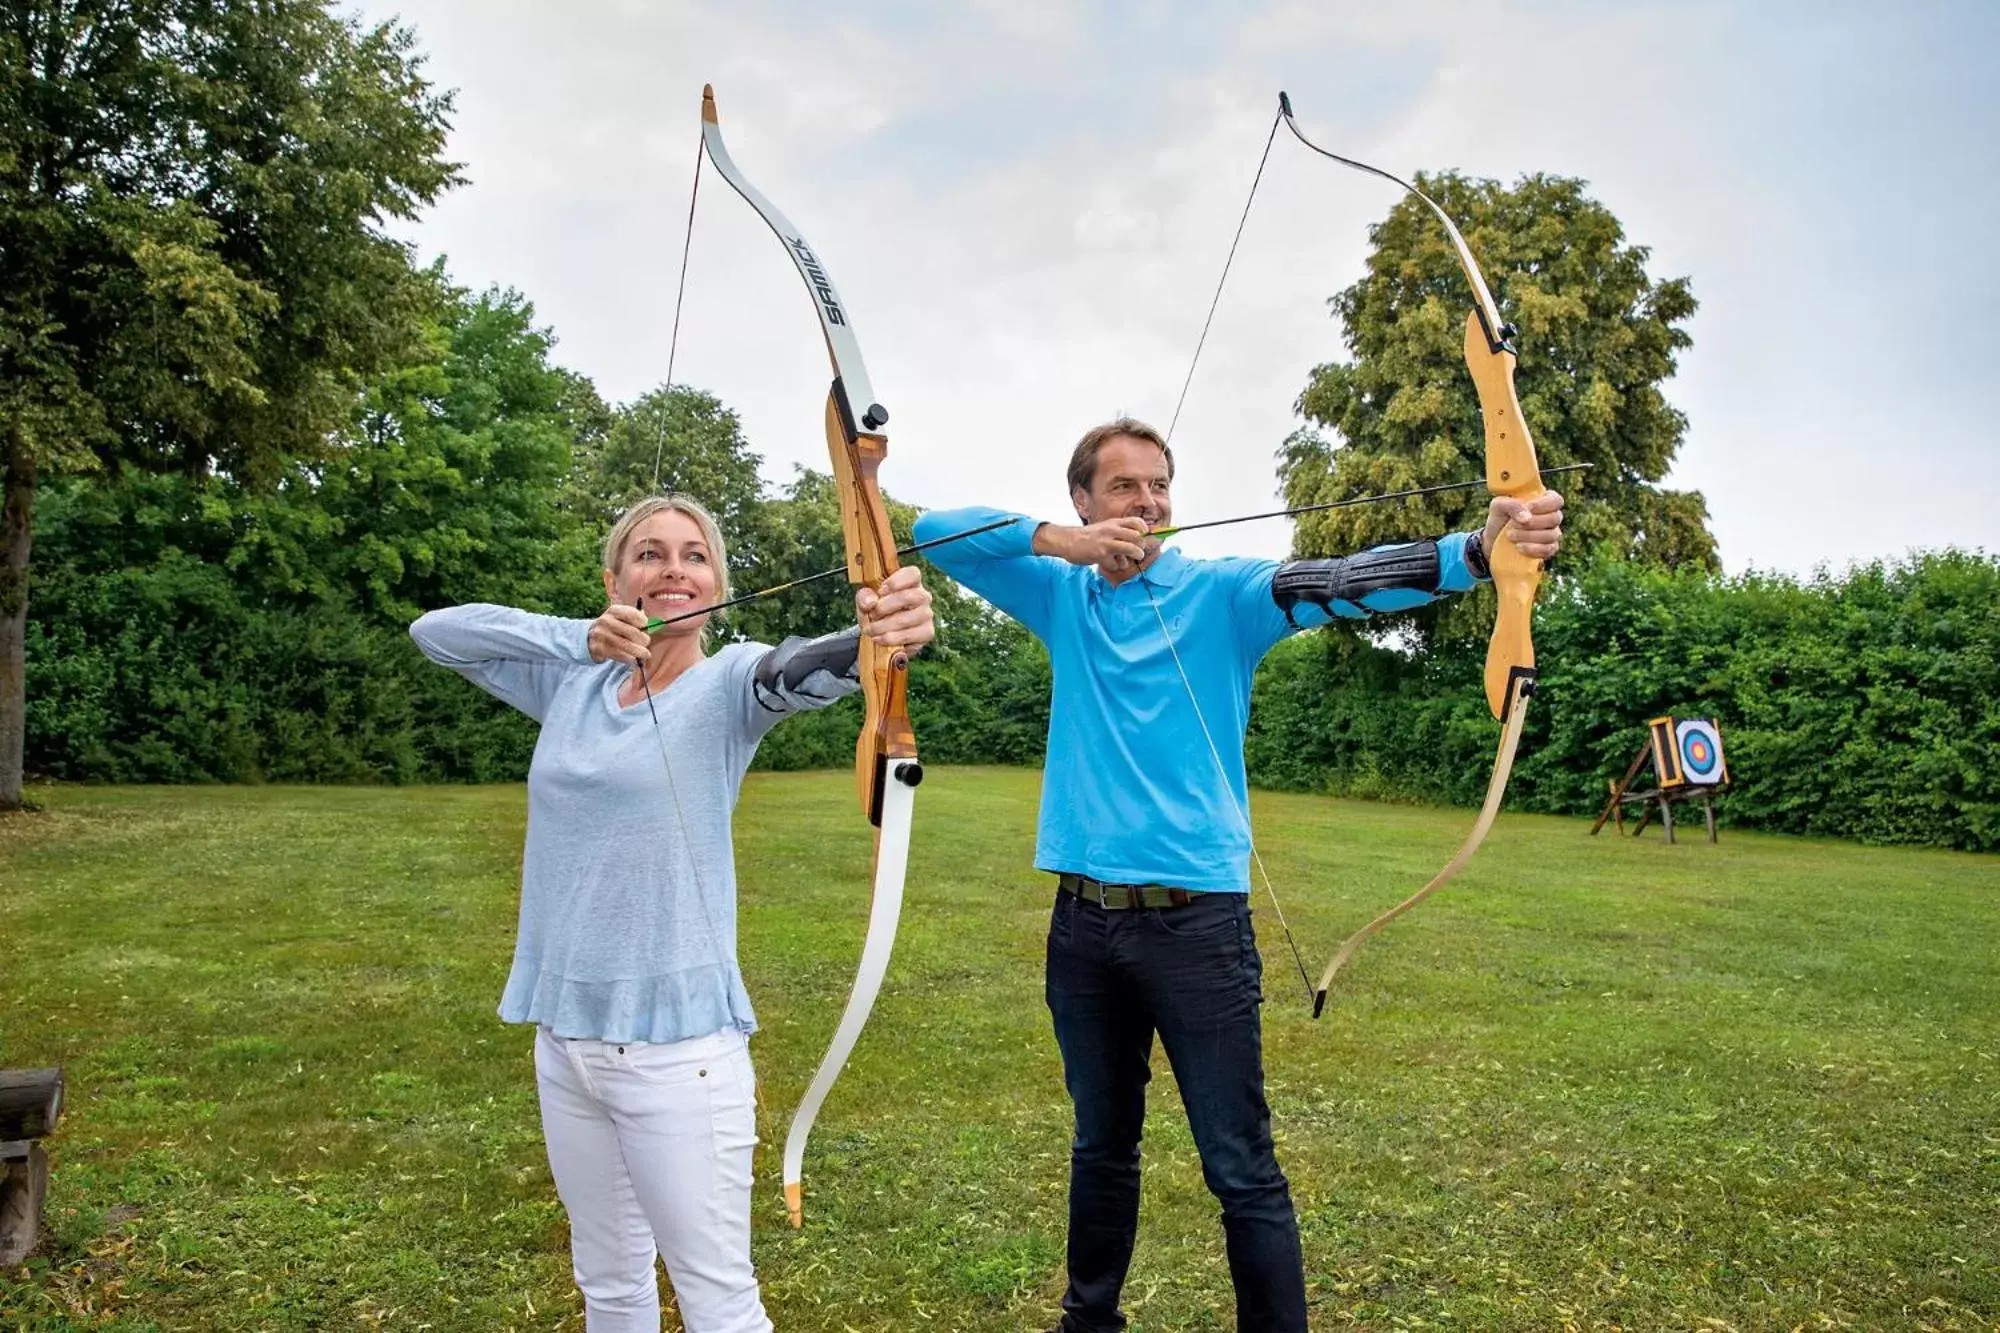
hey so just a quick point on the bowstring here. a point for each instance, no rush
(680, 815)
(680, 294)
(1242, 811)
(1217, 300)
(1214, 753)
(645, 674)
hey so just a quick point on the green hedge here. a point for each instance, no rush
(157, 653)
(1863, 705)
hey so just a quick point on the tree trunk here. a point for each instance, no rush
(17, 535)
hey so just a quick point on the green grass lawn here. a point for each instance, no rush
(1594, 1084)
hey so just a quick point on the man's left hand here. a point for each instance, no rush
(1534, 526)
(897, 614)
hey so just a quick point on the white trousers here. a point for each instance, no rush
(650, 1146)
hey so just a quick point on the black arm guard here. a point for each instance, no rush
(787, 668)
(1351, 578)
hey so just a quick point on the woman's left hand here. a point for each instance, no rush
(897, 614)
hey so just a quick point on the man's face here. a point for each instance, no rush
(1131, 480)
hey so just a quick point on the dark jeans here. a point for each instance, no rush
(1192, 975)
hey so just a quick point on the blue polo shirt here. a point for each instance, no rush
(1130, 789)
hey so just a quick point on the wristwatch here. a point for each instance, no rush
(1475, 556)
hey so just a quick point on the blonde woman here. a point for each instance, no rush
(626, 953)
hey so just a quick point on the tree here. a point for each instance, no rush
(447, 489)
(1596, 338)
(193, 272)
(678, 439)
(199, 629)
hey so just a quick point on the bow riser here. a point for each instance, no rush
(871, 558)
(1512, 470)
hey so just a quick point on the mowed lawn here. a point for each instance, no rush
(1597, 1083)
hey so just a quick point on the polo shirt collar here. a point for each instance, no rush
(1169, 568)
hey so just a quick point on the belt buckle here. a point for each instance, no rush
(1103, 895)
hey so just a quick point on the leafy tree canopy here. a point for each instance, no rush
(1597, 339)
(192, 196)
(194, 271)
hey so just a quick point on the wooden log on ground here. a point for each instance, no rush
(30, 1102)
(23, 1186)
(30, 1106)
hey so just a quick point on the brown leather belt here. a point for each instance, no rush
(1120, 897)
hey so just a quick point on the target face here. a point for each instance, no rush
(1700, 747)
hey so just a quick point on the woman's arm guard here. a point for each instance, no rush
(789, 668)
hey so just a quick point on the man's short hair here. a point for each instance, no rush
(1083, 459)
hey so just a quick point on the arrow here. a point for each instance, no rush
(1164, 533)
(656, 623)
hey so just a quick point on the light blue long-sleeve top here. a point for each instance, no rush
(628, 881)
(1132, 792)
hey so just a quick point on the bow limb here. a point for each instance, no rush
(886, 769)
(1496, 787)
(892, 850)
(885, 761)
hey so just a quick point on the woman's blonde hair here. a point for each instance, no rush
(621, 533)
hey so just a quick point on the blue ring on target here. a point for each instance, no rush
(1697, 754)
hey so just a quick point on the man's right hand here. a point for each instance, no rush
(1117, 545)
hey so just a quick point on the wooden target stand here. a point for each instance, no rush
(30, 1106)
(1676, 783)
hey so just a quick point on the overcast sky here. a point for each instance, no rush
(1026, 204)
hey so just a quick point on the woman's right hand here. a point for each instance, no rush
(619, 635)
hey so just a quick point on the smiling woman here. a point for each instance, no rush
(703, 550)
(626, 953)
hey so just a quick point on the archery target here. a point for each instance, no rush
(1699, 747)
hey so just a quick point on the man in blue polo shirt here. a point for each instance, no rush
(1145, 824)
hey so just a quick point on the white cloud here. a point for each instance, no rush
(1026, 207)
